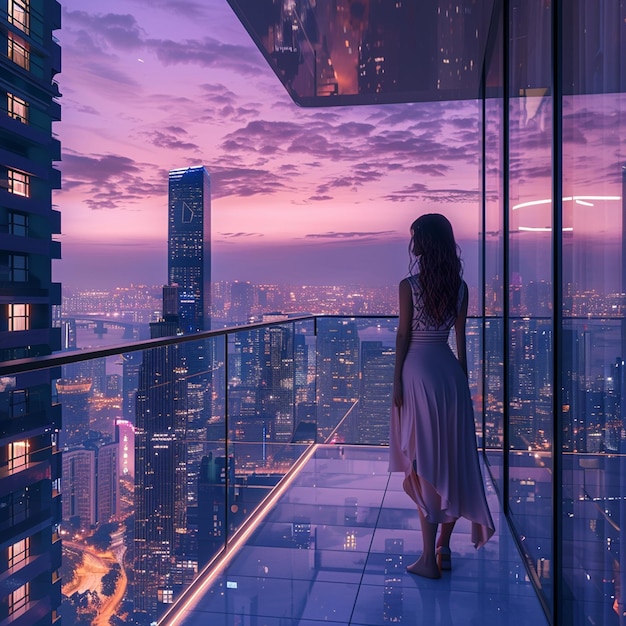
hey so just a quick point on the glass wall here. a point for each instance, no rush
(493, 261)
(530, 278)
(593, 345)
(554, 129)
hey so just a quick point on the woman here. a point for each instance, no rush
(432, 437)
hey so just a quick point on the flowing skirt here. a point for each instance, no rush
(433, 437)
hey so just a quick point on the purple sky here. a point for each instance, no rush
(302, 195)
(305, 195)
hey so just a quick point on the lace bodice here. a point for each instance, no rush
(421, 321)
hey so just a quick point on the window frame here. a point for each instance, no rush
(18, 553)
(19, 183)
(18, 454)
(19, 599)
(20, 19)
(18, 272)
(16, 227)
(18, 51)
(17, 108)
(18, 318)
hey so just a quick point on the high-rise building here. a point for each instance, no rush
(189, 245)
(79, 488)
(29, 417)
(212, 502)
(338, 372)
(377, 365)
(275, 393)
(161, 473)
(74, 398)
(241, 301)
(107, 482)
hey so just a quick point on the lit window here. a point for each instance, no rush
(18, 552)
(18, 268)
(19, 183)
(18, 599)
(17, 108)
(18, 224)
(18, 52)
(18, 454)
(19, 14)
(166, 596)
(19, 317)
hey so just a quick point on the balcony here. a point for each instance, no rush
(256, 456)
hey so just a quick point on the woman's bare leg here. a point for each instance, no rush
(426, 565)
(446, 533)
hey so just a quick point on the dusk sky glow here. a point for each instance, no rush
(311, 195)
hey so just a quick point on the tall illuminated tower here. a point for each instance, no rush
(189, 245)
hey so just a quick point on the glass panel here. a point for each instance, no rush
(17, 108)
(594, 309)
(19, 183)
(167, 451)
(493, 395)
(167, 468)
(328, 53)
(18, 52)
(19, 317)
(530, 285)
(18, 224)
(19, 14)
(593, 353)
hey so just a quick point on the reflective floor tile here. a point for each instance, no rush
(335, 548)
(418, 603)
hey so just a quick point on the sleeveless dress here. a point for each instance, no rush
(432, 437)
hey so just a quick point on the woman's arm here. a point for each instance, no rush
(403, 337)
(459, 329)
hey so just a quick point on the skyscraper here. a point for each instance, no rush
(161, 473)
(338, 371)
(189, 245)
(29, 419)
(241, 300)
(377, 364)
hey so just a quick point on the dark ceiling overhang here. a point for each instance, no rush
(338, 52)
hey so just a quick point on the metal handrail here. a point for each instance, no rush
(31, 364)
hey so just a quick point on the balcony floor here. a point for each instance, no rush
(333, 550)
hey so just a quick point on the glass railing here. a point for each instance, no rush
(170, 445)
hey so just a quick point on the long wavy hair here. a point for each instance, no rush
(437, 257)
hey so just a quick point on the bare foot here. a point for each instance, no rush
(426, 570)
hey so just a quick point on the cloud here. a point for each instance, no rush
(171, 140)
(240, 235)
(188, 8)
(111, 33)
(355, 235)
(421, 192)
(208, 52)
(244, 182)
(111, 181)
(109, 30)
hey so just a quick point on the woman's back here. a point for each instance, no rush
(421, 320)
